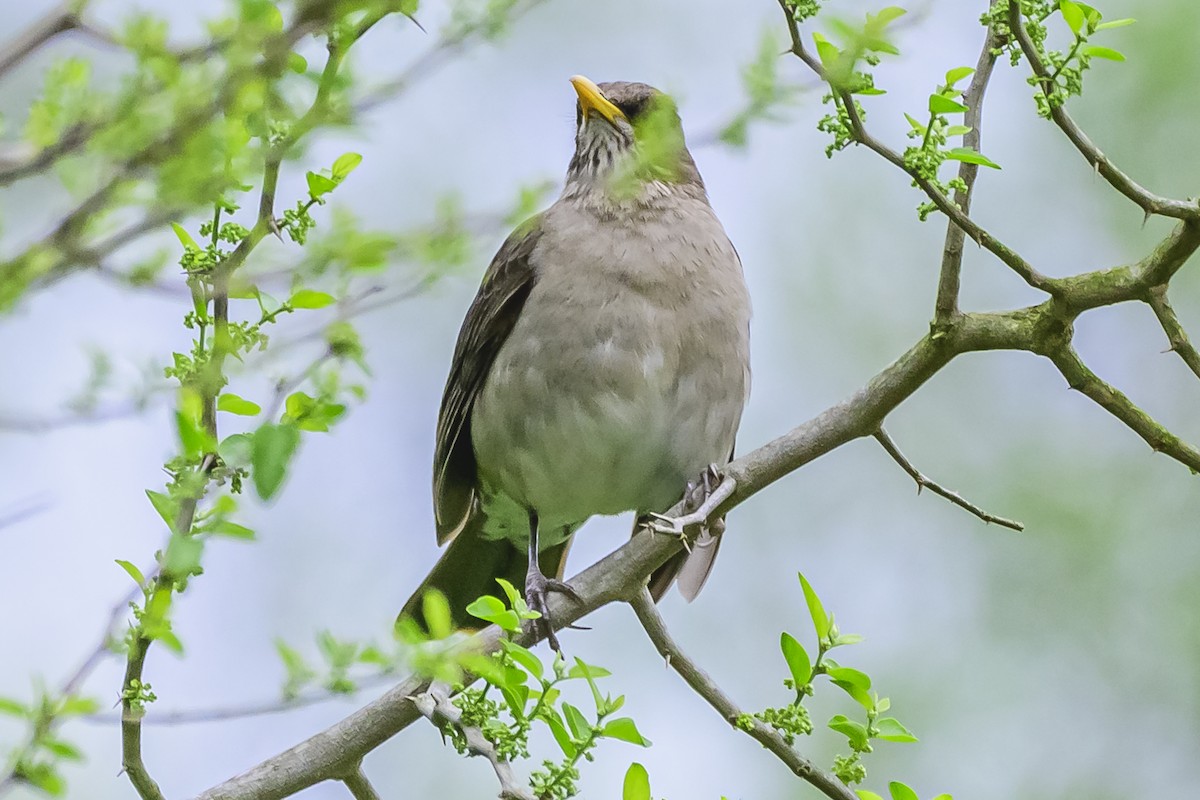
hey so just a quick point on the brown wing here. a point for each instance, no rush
(489, 321)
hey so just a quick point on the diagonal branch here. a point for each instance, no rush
(1176, 335)
(924, 483)
(1082, 379)
(946, 305)
(434, 704)
(707, 688)
(1149, 202)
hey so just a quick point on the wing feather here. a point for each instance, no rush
(489, 321)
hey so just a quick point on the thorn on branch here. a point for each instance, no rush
(923, 482)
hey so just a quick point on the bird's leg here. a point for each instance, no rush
(537, 586)
(700, 500)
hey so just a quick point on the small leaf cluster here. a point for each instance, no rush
(840, 68)
(793, 720)
(765, 93)
(342, 667)
(923, 161)
(1066, 67)
(38, 761)
(530, 693)
(297, 222)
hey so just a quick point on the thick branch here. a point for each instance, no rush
(707, 688)
(946, 305)
(924, 483)
(1176, 335)
(131, 722)
(435, 706)
(1149, 202)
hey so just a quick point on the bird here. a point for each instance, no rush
(603, 365)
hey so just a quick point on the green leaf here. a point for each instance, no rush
(580, 727)
(590, 674)
(971, 157)
(307, 298)
(945, 796)
(183, 555)
(236, 405)
(437, 614)
(559, 731)
(917, 125)
(491, 609)
(957, 74)
(797, 659)
(623, 728)
(958, 130)
(1095, 51)
(272, 448)
(64, 750)
(1072, 15)
(236, 449)
(74, 706)
(184, 237)
(581, 670)
(891, 730)
(827, 51)
(815, 609)
(940, 104)
(12, 708)
(1116, 23)
(344, 165)
(524, 657)
(319, 185)
(855, 732)
(851, 676)
(166, 507)
(900, 791)
(133, 572)
(297, 63)
(637, 783)
(865, 795)
(224, 527)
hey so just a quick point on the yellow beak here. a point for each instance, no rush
(591, 100)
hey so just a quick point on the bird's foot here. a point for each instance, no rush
(537, 590)
(700, 500)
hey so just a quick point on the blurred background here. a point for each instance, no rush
(1059, 662)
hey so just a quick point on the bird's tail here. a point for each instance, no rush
(469, 568)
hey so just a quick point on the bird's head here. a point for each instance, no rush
(628, 138)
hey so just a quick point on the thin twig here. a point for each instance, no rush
(707, 688)
(58, 20)
(1176, 335)
(978, 234)
(925, 483)
(1149, 202)
(434, 704)
(359, 786)
(946, 305)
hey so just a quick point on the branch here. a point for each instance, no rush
(707, 688)
(131, 724)
(359, 786)
(1082, 379)
(946, 305)
(1176, 335)
(1149, 202)
(979, 235)
(434, 704)
(924, 483)
(58, 20)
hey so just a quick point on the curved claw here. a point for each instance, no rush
(713, 497)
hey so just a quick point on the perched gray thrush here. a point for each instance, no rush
(602, 366)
